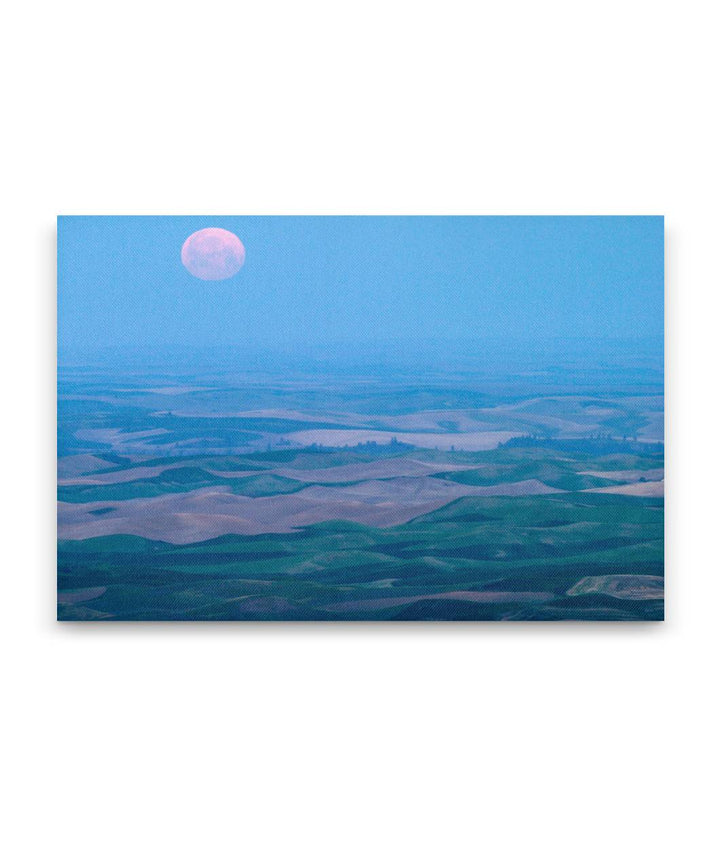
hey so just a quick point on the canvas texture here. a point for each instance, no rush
(360, 418)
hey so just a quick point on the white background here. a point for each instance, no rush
(359, 739)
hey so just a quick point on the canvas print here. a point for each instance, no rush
(360, 418)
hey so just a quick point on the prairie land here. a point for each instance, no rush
(307, 496)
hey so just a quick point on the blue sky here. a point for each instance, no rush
(310, 281)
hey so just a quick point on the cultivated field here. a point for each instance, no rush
(238, 497)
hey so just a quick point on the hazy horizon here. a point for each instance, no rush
(392, 286)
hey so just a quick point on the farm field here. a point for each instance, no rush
(537, 528)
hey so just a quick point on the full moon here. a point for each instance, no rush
(213, 254)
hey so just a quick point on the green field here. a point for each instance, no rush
(221, 495)
(521, 556)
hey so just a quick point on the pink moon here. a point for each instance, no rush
(213, 254)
